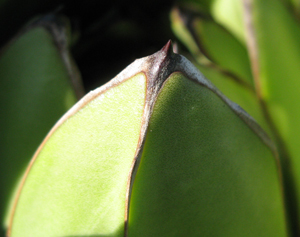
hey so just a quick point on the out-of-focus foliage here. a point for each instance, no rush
(39, 83)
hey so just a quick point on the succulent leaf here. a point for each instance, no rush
(37, 86)
(235, 79)
(158, 151)
(229, 13)
(273, 36)
(213, 42)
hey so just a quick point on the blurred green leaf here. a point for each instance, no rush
(273, 39)
(183, 33)
(36, 77)
(213, 41)
(229, 13)
(229, 69)
(223, 48)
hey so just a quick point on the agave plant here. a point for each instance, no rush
(254, 65)
(203, 144)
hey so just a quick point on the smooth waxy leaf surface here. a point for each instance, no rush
(35, 90)
(231, 73)
(223, 48)
(274, 36)
(229, 13)
(206, 38)
(203, 171)
(80, 174)
(238, 93)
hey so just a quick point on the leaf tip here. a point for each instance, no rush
(168, 48)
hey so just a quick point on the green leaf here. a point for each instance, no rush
(229, 13)
(203, 169)
(230, 70)
(79, 174)
(237, 92)
(36, 76)
(212, 40)
(273, 38)
(182, 32)
(224, 49)
(158, 151)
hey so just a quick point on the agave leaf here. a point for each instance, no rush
(157, 151)
(238, 89)
(36, 76)
(273, 39)
(214, 41)
(223, 48)
(238, 93)
(229, 13)
(79, 175)
(179, 28)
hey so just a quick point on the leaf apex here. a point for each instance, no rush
(168, 48)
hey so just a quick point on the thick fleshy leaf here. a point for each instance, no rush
(182, 32)
(203, 171)
(229, 13)
(238, 89)
(158, 151)
(213, 41)
(36, 76)
(244, 96)
(273, 38)
(223, 48)
(79, 175)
